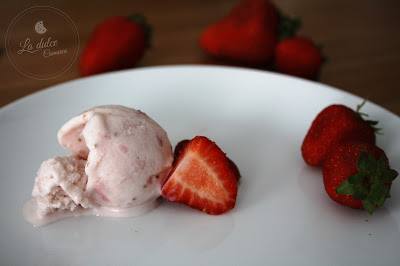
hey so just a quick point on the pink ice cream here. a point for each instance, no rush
(121, 157)
(60, 184)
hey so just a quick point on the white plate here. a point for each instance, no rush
(283, 215)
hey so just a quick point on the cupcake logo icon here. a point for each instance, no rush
(42, 53)
(40, 28)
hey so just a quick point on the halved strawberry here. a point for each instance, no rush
(202, 179)
(182, 144)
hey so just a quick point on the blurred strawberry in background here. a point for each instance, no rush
(247, 34)
(116, 43)
(298, 56)
(257, 33)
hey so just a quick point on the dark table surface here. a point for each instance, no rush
(360, 38)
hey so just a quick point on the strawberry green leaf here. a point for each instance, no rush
(359, 106)
(288, 26)
(360, 114)
(345, 188)
(381, 168)
(368, 206)
(363, 163)
(371, 166)
(386, 193)
(371, 123)
(141, 19)
(381, 202)
(361, 192)
(389, 175)
(356, 179)
(383, 173)
(377, 191)
(377, 194)
(372, 160)
(382, 163)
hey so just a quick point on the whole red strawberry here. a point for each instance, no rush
(247, 34)
(332, 125)
(358, 175)
(116, 43)
(202, 179)
(298, 56)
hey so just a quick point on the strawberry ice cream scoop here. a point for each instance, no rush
(121, 157)
(128, 154)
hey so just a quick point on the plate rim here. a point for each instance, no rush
(57, 86)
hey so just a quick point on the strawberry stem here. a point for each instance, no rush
(288, 26)
(371, 123)
(141, 19)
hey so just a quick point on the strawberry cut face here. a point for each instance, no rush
(182, 144)
(202, 179)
